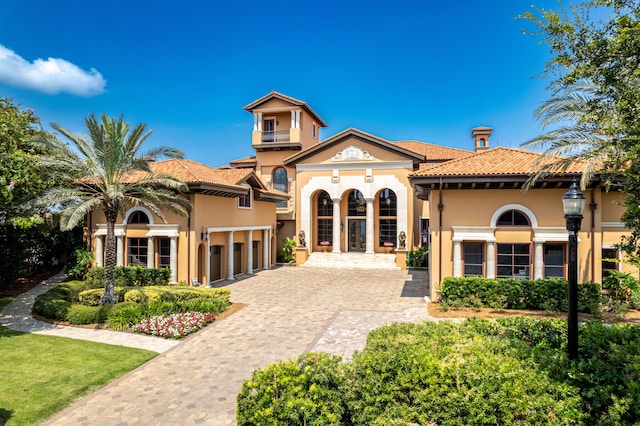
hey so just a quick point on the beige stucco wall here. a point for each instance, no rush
(477, 208)
(207, 212)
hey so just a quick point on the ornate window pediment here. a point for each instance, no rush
(351, 153)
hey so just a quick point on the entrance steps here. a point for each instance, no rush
(351, 261)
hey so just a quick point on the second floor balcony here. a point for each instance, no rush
(276, 136)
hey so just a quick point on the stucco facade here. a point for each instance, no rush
(356, 192)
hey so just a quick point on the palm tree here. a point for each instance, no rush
(108, 171)
(584, 134)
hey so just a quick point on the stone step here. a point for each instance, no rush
(351, 261)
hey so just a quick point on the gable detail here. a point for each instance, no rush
(351, 153)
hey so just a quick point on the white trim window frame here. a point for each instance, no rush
(248, 204)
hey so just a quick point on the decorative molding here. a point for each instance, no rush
(474, 233)
(351, 153)
(612, 224)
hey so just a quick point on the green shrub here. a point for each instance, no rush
(129, 276)
(51, 307)
(124, 315)
(81, 314)
(75, 288)
(505, 371)
(135, 295)
(79, 264)
(446, 374)
(90, 297)
(544, 294)
(202, 304)
(309, 391)
(95, 277)
(287, 253)
(418, 258)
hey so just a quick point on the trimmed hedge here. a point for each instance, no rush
(479, 372)
(128, 276)
(543, 294)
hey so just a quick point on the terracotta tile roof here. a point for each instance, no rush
(245, 160)
(497, 161)
(289, 99)
(433, 152)
(190, 171)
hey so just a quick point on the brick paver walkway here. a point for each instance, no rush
(288, 311)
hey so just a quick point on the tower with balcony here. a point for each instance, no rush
(282, 126)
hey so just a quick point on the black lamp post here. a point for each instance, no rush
(573, 203)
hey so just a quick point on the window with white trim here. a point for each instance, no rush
(244, 201)
(554, 260)
(514, 261)
(473, 255)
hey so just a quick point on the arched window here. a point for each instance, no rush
(513, 218)
(325, 218)
(281, 183)
(357, 204)
(387, 217)
(138, 217)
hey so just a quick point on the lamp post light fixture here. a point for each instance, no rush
(573, 203)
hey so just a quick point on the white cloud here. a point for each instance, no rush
(53, 75)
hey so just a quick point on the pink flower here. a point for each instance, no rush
(12, 185)
(29, 111)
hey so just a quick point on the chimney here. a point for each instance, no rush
(481, 137)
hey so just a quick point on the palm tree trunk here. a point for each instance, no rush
(109, 297)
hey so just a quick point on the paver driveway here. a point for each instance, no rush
(288, 311)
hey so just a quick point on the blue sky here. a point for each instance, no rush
(423, 70)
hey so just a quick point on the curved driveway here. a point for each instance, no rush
(288, 311)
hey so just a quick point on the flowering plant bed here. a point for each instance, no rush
(175, 326)
(325, 243)
(387, 244)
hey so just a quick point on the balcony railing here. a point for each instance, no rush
(277, 136)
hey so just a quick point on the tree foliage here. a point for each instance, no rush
(107, 170)
(595, 77)
(19, 175)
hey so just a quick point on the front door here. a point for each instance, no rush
(357, 235)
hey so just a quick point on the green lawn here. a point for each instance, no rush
(41, 375)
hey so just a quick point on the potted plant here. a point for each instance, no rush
(325, 245)
(388, 245)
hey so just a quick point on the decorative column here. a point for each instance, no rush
(120, 250)
(173, 258)
(491, 259)
(370, 226)
(336, 225)
(538, 260)
(100, 250)
(257, 121)
(250, 252)
(230, 256)
(265, 249)
(150, 253)
(457, 258)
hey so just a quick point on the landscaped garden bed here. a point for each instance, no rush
(170, 311)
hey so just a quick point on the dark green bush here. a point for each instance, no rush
(479, 372)
(81, 314)
(543, 294)
(307, 391)
(129, 276)
(418, 258)
(447, 374)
